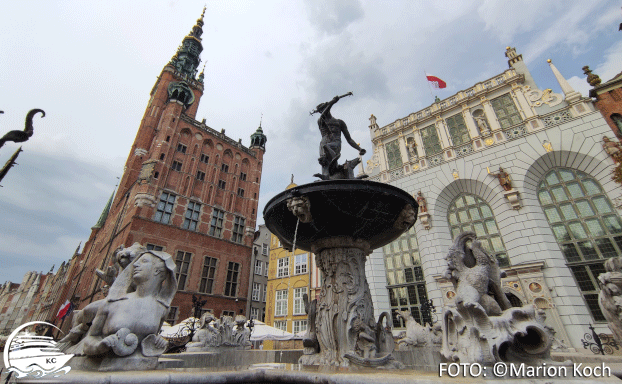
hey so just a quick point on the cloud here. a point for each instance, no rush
(48, 206)
(333, 17)
(606, 69)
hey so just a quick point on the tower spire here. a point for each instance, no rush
(104, 215)
(186, 60)
(571, 94)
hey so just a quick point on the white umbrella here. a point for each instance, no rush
(262, 331)
(184, 326)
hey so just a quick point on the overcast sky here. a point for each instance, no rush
(91, 65)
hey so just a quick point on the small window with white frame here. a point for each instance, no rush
(283, 267)
(299, 305)
(299, 326)
(256, 291)
(255, 313)
(281, 324)
(300, 264)
(258, 267)
(280, 307)
(264, 249)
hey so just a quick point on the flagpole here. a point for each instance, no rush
(429, 86)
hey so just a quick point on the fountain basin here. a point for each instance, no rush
(356, 209)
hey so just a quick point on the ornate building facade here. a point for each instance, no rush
(524, 169)
(186, 189)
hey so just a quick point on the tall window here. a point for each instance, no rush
(394, 156)
(300, 264)
(281, 324)
(165, 208)
(222, 184)
(264, 292)
(258, 267)
(256, 291)
(431, 143)
(215, 228)
(458, 130)
(280, 307)
(506, 111)
(231, 284)
(255, 313)
(176, 166)
(204, 158)
(299, 326)
(299, 305)
(183, 263)
(208, 274)
(238, 229)
(470, 213)
(242, 176)
(587, 228)
(283, 267)
(264, 249)
(224, 168)
(192, 216)
(240, 192)
(406, 284)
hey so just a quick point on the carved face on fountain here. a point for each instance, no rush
(148, 267)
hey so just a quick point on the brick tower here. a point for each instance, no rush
(186, 189)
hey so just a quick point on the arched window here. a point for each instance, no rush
(405, 281)
(586, 227)
(470, 213)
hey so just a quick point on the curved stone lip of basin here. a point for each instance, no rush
(358, 209)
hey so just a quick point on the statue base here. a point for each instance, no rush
(344, 322)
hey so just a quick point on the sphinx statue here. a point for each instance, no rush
(483, 328)
(417, 335)
(124, 331)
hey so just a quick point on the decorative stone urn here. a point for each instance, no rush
(342, 221)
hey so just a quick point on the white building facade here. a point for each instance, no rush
(551, 231)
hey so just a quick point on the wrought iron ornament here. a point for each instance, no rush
(599, 344)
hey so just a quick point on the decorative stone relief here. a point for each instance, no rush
(344, 325)
(512, 197)
(301, 208)
(537, 97)
(610, 296)
(417, 335)
(483, 327)
(218, 334)
(144, 199)
(560, 117)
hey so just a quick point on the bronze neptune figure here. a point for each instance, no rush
(330, 146)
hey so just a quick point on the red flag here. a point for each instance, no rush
(436, 82)
(63, 309)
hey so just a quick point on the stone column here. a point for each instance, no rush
(468, 120)
(490, 113)
(441, 129)
(523, 103)
(344, 308)
(403, 149)
(382, 157)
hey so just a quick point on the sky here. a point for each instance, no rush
(91, 65)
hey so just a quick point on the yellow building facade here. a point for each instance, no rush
(288, 280)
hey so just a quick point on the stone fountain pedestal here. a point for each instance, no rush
(342, 221)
